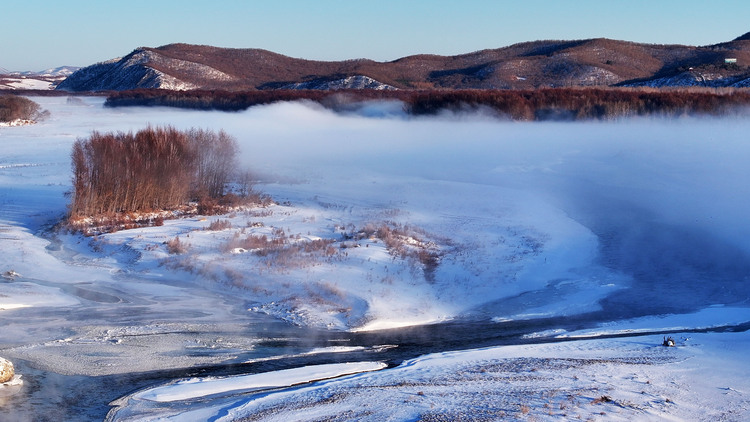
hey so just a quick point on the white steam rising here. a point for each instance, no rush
(665, 199)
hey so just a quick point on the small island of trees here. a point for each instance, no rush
(123, 180)
(14, 108)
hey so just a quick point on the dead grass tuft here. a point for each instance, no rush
(406, 242)
(218, 225)
(176, 246)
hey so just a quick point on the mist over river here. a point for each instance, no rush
(542, 229)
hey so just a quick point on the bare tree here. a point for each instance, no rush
(216, 161)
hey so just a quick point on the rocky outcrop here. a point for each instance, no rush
(7, 372)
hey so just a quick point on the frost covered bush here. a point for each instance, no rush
(253, 242)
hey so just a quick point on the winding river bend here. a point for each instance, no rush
(76, 360)
(150, 330)
(48, 395)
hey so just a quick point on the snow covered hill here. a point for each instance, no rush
(43, 80)
(55, 72)
(537, 64)
(129, 72)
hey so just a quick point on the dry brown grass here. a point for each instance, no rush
(406, 242)
(281, 251)
(218, 225)
(176, 246)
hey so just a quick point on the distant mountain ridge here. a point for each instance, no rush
(43, 80)
(537, 64)
(56, 72)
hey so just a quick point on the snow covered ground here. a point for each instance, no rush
(43, 80)
(354, 280)
(382, 221)
(705, 377)
(22, 82)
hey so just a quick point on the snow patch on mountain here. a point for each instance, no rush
(164, 81)
(695, 78)
(153, 59)
(141, 69)
(44, 80)
(55, 72)
(12, 83)
(350, 82)
(593, 75)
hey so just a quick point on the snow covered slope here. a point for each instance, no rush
(537, 64)
(43, 80)
(704, 378)
(135, 70)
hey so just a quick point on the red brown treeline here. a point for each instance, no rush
(583, 104)
(153, 169)
(525, 105)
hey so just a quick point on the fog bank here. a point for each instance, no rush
(665, 200)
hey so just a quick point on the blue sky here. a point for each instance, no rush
(41, 34)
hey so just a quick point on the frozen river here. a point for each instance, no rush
(547, 232)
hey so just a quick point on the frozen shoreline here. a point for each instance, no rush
(615, 379)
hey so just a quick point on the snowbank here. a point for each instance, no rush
(199, 387)
(704, 378)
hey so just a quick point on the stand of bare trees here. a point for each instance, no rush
(214, 162)
(13, 107)
(525, 105)
(153, 169)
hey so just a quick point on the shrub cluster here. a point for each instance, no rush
(176, 246)
(280, 250)
(405, 242)
(153, 169)
(13, 108)
(218, 225)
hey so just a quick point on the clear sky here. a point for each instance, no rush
(39, 34)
